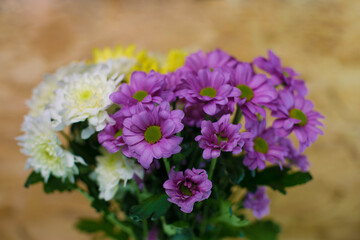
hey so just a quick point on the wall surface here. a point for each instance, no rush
(319, 38)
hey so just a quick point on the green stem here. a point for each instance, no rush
(238, 115)
(145, 229)
(212, 167)
(167, 165)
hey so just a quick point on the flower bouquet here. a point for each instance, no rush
(183, 146)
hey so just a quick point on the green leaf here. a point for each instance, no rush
(154, 207)
(56, 184)
(276, 178)
(92, 225)
(226, 216)
(33, 178)
(262, 230)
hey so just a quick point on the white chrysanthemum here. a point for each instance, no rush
(111, 168)
(44, 94)
(85, 96)
(42, 145)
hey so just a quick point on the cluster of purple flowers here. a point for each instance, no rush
(207, 90)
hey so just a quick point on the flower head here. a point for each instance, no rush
(281, 75)
(262, 146)
(295, 113)
(258, 202)
(209, 87)
(111, 137)
(46, 155)
(150, 133)
(219, 136)
(111, 168)
(186, 188)
(83, 97)
(214, 59)
(144, 88)
(256, 91)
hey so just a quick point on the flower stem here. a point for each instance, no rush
(145, 229)
(167, 165)
(238, 115)
(212, 167)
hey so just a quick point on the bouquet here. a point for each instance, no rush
(183, 146)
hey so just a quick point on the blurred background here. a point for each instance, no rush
(320, 39)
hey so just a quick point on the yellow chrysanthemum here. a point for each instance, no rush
(174, 60)
(107, 53)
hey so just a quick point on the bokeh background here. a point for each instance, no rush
(319, 38)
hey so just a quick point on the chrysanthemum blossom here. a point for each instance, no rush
(151, 133)
(256, 91)
(145, 88)
(186, 188)
(44, 94)
(83, 97)
(46, 155)
(211, 88)
(294, 157)
(262, 146)
(220, 136)
(111, 136)
(113, 168)
(281, 75)
(295, 113)
(211, 60)
(258, 202)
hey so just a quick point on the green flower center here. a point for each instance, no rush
(260, 145)
(85, 95)
(298, 114)
(153, 134)
(221, 139)
(118, 133)
(140, 95)
(209, 91)
(246, 92)
(185, 190)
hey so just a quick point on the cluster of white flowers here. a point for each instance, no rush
(46, 155)
(111, 168)
(75, 93)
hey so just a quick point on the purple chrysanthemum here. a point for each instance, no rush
(256, 91)
(262, 146)
(145, 88)
(184, 189)
(214, 59)
(211, 88)
(258, 202)
(150, 133)
(111, 137)
(295, 113)
(293, 156)
(220, 136)
(280, 74)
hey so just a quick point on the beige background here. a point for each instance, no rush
(319, 38)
